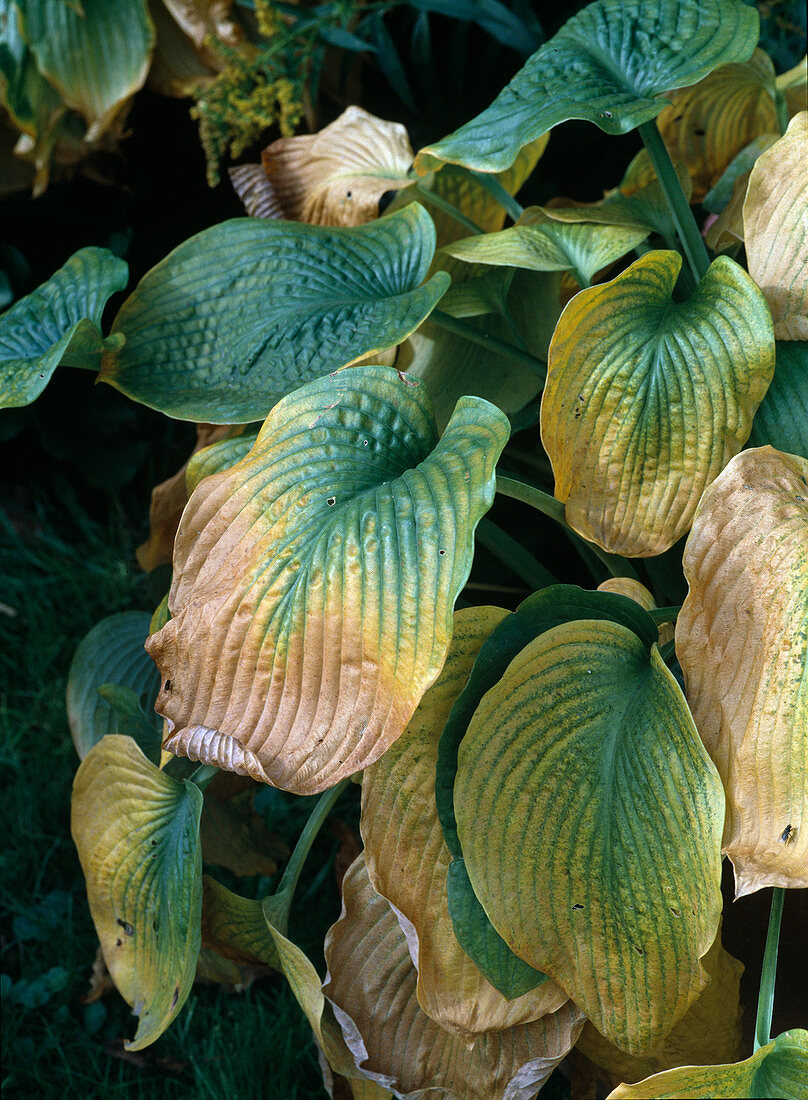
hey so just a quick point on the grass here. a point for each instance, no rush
(61, 572)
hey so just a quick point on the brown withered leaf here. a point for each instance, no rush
(252, 185)
(235, 837)
(100, 981)
(349, 848)
(742, 640)
(709, 122)
(407, 859)
(775, 219)
(167, 502)
(371, 983)
(338, 176)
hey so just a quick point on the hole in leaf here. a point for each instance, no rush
(330, 501)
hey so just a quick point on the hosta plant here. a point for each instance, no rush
(547, 789)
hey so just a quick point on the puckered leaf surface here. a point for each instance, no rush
(609, 64)
(244, 312)
(775, 219)
(778, 1070)
(137, 834)
(407, 858)
(647, 399)
(708, 123)
(742, 641)
(58, 323)
(314, 581)
(111, 653)
(590, 818)
(371, 984)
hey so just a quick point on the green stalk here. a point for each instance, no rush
(278, 905)
(448, 208)
(202, 775)
(763, 1023)
(549, 506)
(519, 560)
(505, 199)
(692, 243)
(664, 614)
(486, 340)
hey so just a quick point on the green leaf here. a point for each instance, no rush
(538, 613)
(452, 366)
(647, 399)
(97, 54)
(111, 653)
(217, 457)
(539, 243)
(782, 419)
(314, 581)
(137, 835)
(59, 323)
(609, 65)
(235, 928)
(778, 1070)
(133, 721)
(244, 312)
(590, 819)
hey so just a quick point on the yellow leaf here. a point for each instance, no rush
(647, 399)
(337, 176)
(314, 581)
(742, 640)
(137, 835)
(709, 122)
(775, 219)
(371, 983)
(407, 858)
(709, 1032)
(778, 1069)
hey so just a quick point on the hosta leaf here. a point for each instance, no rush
(590, 819)
(538, 613)
(775, 219)
(256, 192)
(720, 194)
(471, 197)
(167, 502)
(314, 581)
(639, 203)
(782, 419)
(304, 982)
(407, 859)
(338, 176)
(709, 1032)
(708, 123)
(793, 85)
(96, 54)
(246, 311)
(235, 928)
(58, 323)
(452, 366)
(539, 243)
(609, 64)
(742, 640)
(136, 831)
(371, 983)
(216, 457)
(111, 653)
(647, 399)
(778, 1069)
(634, 590)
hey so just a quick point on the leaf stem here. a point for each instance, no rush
(519, 560)
(282, 898)
(665, 614)
(202, 775)
(763, 1022)
(692, 243)
(505, 199)
(493, 343)
(549, 506)
(447, 207)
